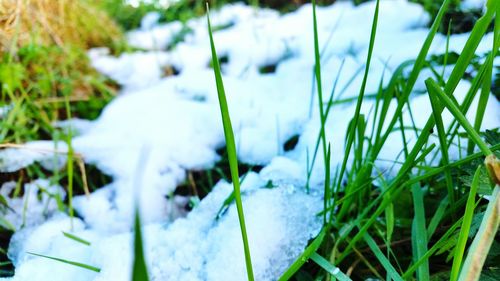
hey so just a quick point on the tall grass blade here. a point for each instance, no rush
(351, 134)
(317, 72)
(464, 229)
(231, 149)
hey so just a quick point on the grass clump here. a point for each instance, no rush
(55, 22)
(46, 76)
(43, 64)
(437, 212)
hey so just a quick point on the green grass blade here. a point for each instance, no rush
(317, 72)
(391, 271)
(436, 111)
(434, 89)
(139, 268)
(419, 233)
(483, 101)
(231, 150)
(74, 263)
(485, 88)
(412, 79)
(432, 250)
(484, 238)
(351, 134)
(76, 238)
(335, 271)
(470, 47)
(464, 229)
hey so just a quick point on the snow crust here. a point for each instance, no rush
(161, 126)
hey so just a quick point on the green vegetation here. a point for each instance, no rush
(45, 77)
(426, 223)
(364, 210)
(231, 151)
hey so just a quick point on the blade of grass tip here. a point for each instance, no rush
(74, 263)
(465, 228)
(419, 234)
(436, 111)
(335, 271)
(139, 269)
(481, 244)
(434, 88)
(391, 271)
(351, 134)
(297, 264)
(231, 149)
(76, 238)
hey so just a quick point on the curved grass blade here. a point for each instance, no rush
(231, 149)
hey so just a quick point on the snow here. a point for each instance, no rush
(38, 202)
(473, 4)
(192, 248)
(161, 126)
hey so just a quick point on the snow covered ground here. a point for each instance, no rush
(160, 127)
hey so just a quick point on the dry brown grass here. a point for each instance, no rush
(78, 23)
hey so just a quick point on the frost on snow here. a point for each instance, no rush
(175, 121)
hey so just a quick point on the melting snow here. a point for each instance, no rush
(176, 120)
